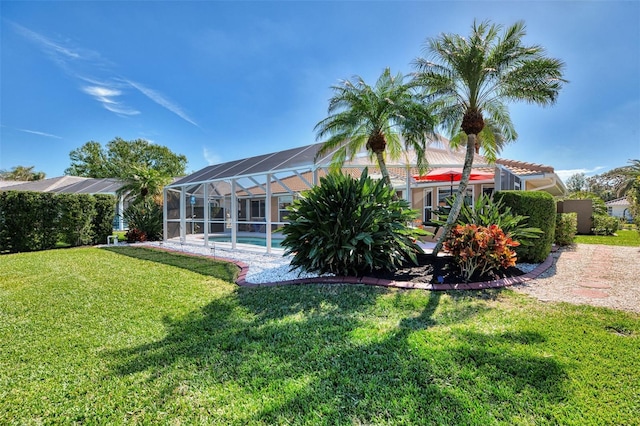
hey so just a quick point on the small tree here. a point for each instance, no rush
(576, 183)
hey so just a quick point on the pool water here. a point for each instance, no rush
(256, 241)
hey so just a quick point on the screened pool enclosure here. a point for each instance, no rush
(245, 201)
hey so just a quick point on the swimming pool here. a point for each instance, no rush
(256, 241)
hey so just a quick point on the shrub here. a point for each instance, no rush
(566, 228)
(605, 225)
(486, 212)
(102, 223)
(479, 250)
(76, 220)
(145, 216)
(348, 226)
(134, 235)
(38, 220)
(541, 209)
(28, 221)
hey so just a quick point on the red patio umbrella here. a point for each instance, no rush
(451, 174)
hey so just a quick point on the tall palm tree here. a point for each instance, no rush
(470, 80)
(381, 118)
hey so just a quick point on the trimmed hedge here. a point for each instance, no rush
(31, 221)
(540, 207)
(566, 228)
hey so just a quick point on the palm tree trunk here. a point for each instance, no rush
(462, 190)
(383, 168)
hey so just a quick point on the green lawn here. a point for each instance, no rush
(136, 336)
(623, 237)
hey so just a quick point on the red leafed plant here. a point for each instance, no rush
(478, 250)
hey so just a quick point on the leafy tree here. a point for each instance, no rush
(576, 182)
(469, 81)
(631, 188)
(605, 185)
(380, 118)
(631, 177)
(120, 157)
(22, 173)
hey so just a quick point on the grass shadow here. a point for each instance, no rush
(199, 264)
(304, 354)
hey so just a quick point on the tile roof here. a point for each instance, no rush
(618, 202)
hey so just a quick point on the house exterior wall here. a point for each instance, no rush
(619, 210)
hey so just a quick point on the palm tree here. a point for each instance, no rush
(469, 81)
(145, 183)
(380, 118)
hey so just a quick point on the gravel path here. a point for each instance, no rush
(607, 276)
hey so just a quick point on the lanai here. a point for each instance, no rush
(245, 200)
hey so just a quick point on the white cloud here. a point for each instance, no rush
(106, 96)
(211, 157)
(72, 60)
(566, 174)
(158, 98)
(35, 132)
(46, 44)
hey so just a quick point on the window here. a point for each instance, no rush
(283, 203)
(487, 190)
(258, 209)
(427, 204)
(445, 193)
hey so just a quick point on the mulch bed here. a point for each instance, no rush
(430, 267)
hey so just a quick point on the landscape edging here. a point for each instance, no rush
(499, 283)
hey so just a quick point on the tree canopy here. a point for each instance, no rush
(120, 157)
(375, 117)
(576, 182)
(22, 173)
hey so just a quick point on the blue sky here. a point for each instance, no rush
(217, 81)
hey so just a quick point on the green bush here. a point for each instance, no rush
(28, 221)
(479, 250)
(145, 216)
(605, 225)
(32, 221)
(76, 220)
(486, 212)
(540, 207)
(105, 208)
(348, 227)
(566, 228)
